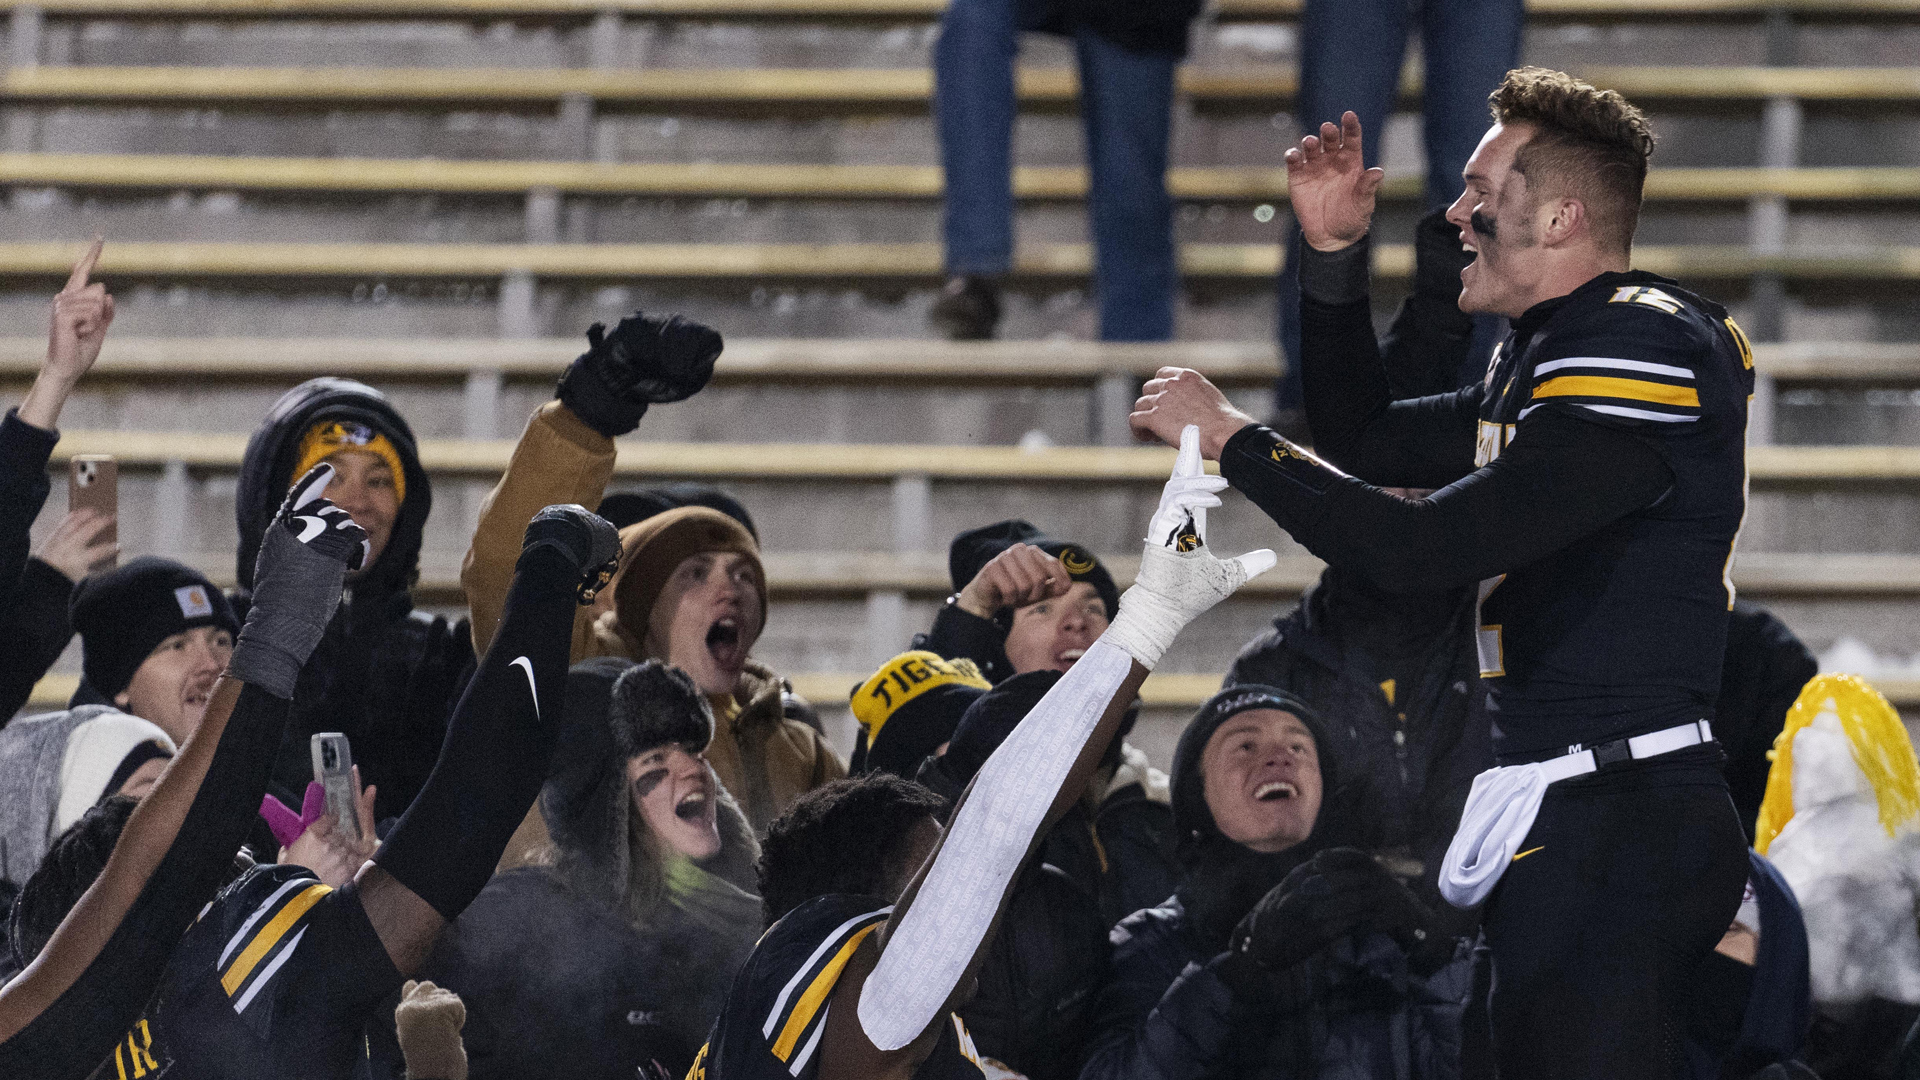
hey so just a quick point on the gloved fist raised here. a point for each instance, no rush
(297, 580)
(647, 359)
(428, 1022)
(1180, 579)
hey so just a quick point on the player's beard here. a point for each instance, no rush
(1485, 287)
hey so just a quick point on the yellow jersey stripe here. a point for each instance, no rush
(816, 995)
(269, 936)
(1630, 389)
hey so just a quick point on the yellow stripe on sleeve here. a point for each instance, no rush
(269, 936)
(1630, 389)
(816, 995)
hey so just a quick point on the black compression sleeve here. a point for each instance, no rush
(1356, 424)
(1560, 479)
(498, 743)
(78, 1031)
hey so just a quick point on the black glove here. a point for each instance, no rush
(304, 558)
(645, 360)
(1340, 891)
(1438, 257)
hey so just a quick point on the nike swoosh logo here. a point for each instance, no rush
(1516, 858)
(526, 665)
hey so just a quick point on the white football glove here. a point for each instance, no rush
(1180, 578)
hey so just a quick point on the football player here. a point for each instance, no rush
(1593, 484)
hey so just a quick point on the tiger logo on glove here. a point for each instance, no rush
(319, 524)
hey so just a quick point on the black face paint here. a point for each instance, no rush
(644, 784)
(1483, 225)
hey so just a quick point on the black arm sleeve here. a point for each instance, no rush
(38, 628)
(498, 745)
(1357, 425)
(78, 1031)
(24, 450)
(1560, 479)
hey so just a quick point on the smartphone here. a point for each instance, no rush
(93, 483)
(333, 771)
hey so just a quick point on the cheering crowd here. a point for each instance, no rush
(1517, 789)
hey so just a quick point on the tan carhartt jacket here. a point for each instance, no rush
(763, 758)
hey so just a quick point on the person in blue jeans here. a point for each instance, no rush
(1351, 53)
(1126, 51)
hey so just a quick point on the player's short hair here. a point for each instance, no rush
(1588, 143)
(849, 836)
(73, 862)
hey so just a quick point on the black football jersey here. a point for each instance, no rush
(1623, 630)
(276, 978)
(771, 1025)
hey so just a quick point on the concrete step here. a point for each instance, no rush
(998, 393)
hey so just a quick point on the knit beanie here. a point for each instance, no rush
(625, 508)
(96, 762)
(124, 614)
(971, 551)
(908, 708)
(655, 705)
(654, 548)
(1192, 820)
(329, 437)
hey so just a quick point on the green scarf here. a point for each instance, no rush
(712, 903)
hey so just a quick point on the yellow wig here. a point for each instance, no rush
(1880, 747)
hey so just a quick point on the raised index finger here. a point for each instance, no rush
(1350, 130)
(83, 269)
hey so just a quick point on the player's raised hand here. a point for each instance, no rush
(82, 311)
(1331, 187)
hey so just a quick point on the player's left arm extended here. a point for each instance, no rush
(1561, 478)
(892, 1001)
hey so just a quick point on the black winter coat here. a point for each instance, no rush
(1417, 754)
(33, 595)
(385, 675)
(1354, 1012)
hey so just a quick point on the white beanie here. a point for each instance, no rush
(95, 750)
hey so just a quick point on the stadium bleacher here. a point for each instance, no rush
(768, 166)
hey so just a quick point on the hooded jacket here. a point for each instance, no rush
(385, 675)
(1417, 740)
(1354, 1010)
(607, 956)
(765, 758)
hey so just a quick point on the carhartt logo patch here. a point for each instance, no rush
(193, 601)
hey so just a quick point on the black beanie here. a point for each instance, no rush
(122, 615)
(1191, 818)
(988, 721)
(624, 508)
(970, 551)
(655, 705)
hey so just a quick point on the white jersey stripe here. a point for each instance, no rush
(1619, 410)
(1614, 363)
(262, 979)
(832, 940)
(258, 914)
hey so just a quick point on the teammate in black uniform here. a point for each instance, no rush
(280, 973)
(850, 982)
(1593, 484)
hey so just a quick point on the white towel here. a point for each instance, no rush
(1500, 811)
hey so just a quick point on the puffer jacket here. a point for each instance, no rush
(765, 758)
(1353, 1012)
(385, 675)
(1419, 752)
